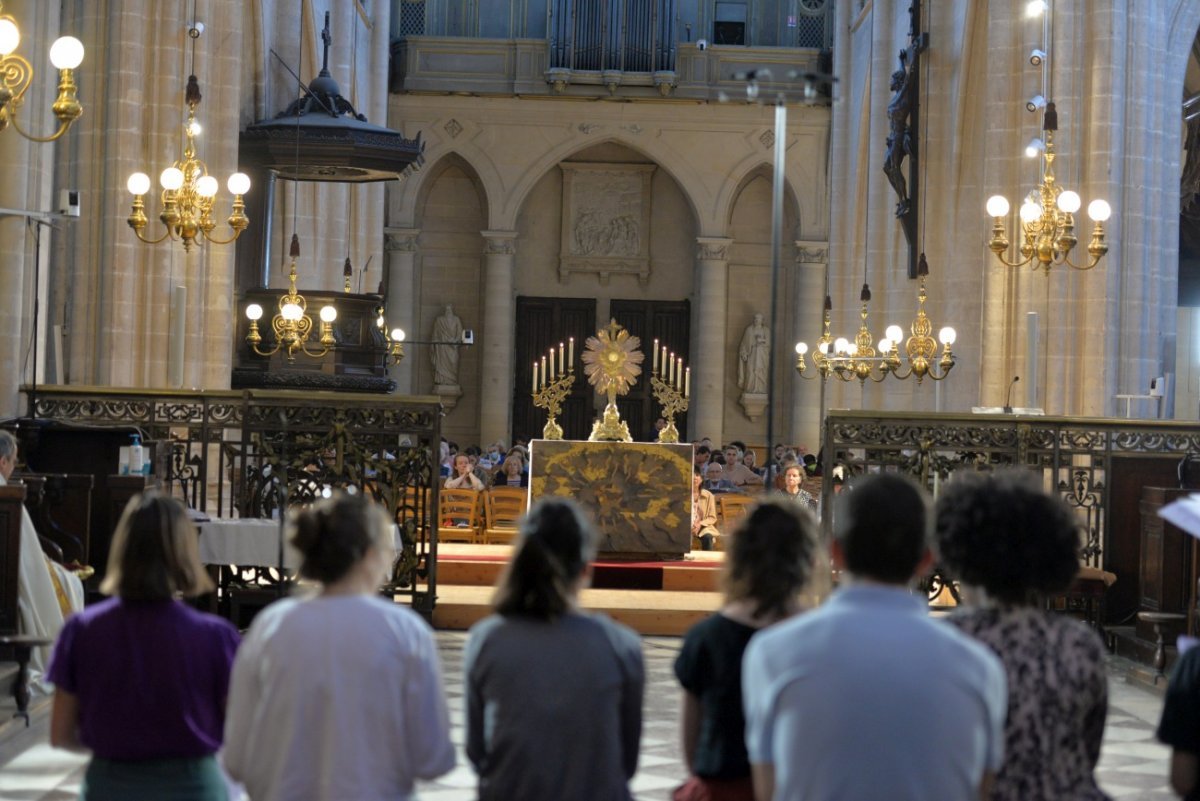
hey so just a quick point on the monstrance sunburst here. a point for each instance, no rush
(612, 362)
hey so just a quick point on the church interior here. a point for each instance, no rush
(321, 238)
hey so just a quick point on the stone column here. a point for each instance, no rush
(708, 388)
(400, 244)
(497, 359)
(808, 394)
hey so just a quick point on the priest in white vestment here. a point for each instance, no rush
(46, 591)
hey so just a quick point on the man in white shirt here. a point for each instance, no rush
(867, 697)
(46, 592)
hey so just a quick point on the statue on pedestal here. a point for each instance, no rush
(754, 359)
(447, 335)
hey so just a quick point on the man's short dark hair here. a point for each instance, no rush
(881, 525)
(703, 449)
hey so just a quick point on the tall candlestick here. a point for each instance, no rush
(544, 373)
(679, 373)
(552, 364)
(535, 377)
(571, 355)
(561, 356)
(664, 360)
(687, 383)
(655, 370)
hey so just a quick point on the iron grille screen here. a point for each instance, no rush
(412, 18)
(624, 35)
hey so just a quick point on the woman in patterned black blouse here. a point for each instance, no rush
(1008, 542)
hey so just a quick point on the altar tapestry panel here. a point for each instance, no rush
(638, 494)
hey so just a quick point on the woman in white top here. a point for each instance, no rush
(338, 695)
(464, 476)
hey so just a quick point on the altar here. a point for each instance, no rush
(638, 494)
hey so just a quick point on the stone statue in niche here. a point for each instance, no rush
(447, 334)
(754, 358)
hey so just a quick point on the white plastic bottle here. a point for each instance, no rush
(136, 456)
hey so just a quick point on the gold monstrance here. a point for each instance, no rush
(611, 363)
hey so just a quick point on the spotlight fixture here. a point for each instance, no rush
(1037, 57)
(1035, 8)
(1034, 103)
(1034, 148)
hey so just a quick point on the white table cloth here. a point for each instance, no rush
(250, 541)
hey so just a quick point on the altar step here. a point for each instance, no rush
(654, 598)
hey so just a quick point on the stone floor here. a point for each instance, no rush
(1133, 765)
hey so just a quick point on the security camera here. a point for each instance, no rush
(468, 337)
(702, 44)
(68, 202)
(1037, 57)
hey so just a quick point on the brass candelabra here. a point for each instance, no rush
(552, 384)
(672, 388)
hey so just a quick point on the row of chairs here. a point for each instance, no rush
(480, 516)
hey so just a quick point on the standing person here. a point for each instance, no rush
(554, 695)
(1180, 725)
(141, 678)
(867, 697)
(464, 476)
(338, 695)
(46, 591)
(1006, 541)
(770, 559)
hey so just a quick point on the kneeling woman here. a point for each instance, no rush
(142, 678)
(554, 695)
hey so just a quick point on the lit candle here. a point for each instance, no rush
(571, 354)
(535, 376)
(664, 360)
(544, 373)
(687, 382)
(679, 374)
(655, 370)
(552, 364)
(670, 365)
(560, 358)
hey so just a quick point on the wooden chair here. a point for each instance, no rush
(458, 515)
(733, 506)
(503, 508)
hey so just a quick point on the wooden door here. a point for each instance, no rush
(668, 321)
(542, 323)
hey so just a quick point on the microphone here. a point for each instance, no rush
(1008, 395)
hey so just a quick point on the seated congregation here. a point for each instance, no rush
(337, 693)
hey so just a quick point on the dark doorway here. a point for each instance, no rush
(542, 323)
(668, 321)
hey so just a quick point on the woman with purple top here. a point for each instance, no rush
(141, 679)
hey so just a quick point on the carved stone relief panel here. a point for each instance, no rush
(606, 220)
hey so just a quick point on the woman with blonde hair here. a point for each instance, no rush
(141, 679)
(769, 559)
(554, 695)
(338, 695)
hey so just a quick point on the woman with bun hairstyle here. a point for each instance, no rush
(141, 678)
(553, 694)
(338, 695)
(1009, 543)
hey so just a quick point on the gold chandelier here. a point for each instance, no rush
(291, 324)
(16, 74)
(861, 360)
(1048, 214)
(188, 192)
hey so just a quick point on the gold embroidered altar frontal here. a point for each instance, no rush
(638, 494)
